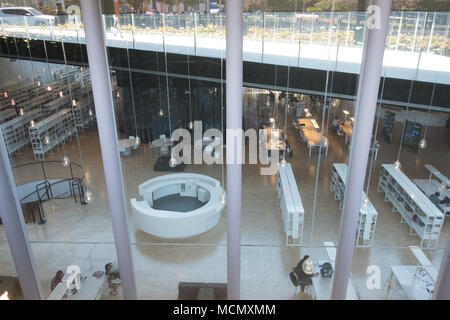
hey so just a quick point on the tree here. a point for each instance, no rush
(339, 5)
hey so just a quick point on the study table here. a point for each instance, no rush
(416, 282)
(125, 146)
(91, 287)
(310, 133)
(322, 286)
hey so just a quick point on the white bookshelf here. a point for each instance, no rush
(367, 212)
(422, 216)
(84, 113)
(37, 102)
(58, 128)
(7, 114)
(55, 105)
(15, 132)
(292, 211)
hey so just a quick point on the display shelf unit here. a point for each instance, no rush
(423, 217)
(16, 133)
(58, 128)
(17, 91)
(292, 211)
(19, 98)
(55, 105)
(7, 114)
(367, 212)
(84, 113)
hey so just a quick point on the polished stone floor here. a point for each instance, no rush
(76, 231)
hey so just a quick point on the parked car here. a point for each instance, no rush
(25, 16)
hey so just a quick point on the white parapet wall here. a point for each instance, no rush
(176, 224)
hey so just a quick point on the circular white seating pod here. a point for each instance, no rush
(179, 224)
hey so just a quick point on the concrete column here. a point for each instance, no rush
(442, 288)
(359, 152)
(234, 84)
(16, 232)
(103, 100)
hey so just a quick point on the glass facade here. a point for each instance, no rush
(167, 65)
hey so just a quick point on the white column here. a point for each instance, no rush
(15, 230)
(103, 100)
(234, 75)
(359, 152)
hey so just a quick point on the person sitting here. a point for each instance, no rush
(112, 273)
(335, 124)
(435, 198)
(445, 201)
(56, 280)
(303, 272)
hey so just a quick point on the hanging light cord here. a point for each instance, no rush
(321, 138)
(221, 103)
(332, 75)
(167, 75)
(435, 80)
(73, 114)
(372, 158)
(411, 86)
(189, 88)
(132, 93)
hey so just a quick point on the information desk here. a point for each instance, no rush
(178, 224)
(423, 217)
(311, 135)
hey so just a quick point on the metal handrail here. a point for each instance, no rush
(44, 172)
(52, 184)
(46, 178)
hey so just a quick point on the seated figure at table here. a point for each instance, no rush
(435, 198)
(446, 201)
(56, 280)
(302, 273)
(112, 276)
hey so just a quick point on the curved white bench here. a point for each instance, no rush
(175, 224)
